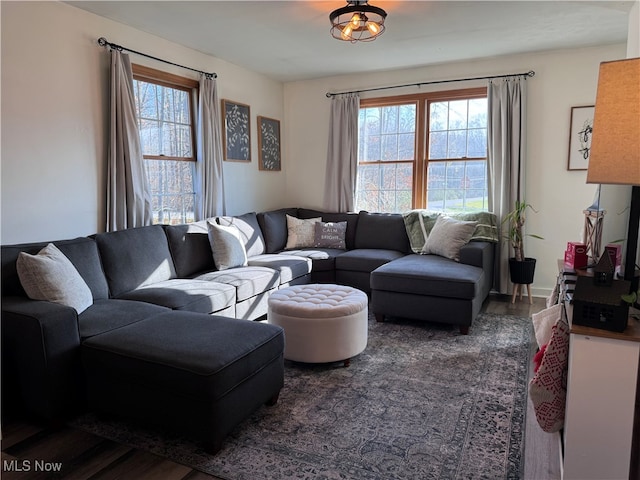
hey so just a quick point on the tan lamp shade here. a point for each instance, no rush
(615, 145)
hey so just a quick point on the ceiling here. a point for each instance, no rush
(290, 40)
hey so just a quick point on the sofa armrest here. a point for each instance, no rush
(41, 357)
(480, 254)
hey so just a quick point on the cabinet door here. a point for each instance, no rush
(601, 392)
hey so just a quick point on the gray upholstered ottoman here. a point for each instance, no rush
(322, 322)
(195, 374)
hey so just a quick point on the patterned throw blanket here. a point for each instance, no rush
(420, 222)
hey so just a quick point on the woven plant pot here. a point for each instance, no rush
(522, 272)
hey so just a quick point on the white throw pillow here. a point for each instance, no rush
(301, 232)
(50, 275)
(448, 236)
(227, 246)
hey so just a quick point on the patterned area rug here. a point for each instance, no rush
(421, 402)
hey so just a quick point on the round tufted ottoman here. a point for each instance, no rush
(322, 322)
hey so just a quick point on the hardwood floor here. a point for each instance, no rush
(541, 449)
(64, 452)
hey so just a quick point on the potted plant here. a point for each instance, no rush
(521, 268)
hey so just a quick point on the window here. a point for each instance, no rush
(165, 112)
(386, 157)
(423, 151)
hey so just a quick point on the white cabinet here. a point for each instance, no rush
(601, 399)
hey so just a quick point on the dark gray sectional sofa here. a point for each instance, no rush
(163, 341)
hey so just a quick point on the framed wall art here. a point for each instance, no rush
(268, 143)
(236, 138)
(580, 130)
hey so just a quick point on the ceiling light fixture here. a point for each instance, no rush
(357, 22)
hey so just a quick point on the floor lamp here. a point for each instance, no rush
(615, 144)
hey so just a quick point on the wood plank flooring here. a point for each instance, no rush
(68, 453)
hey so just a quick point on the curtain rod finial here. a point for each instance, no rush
(103, 42)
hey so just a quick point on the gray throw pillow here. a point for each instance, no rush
(330, 235)
(227, 246)
(448, 236)
(300, 232)
(49, 275)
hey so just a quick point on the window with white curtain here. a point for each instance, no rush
(423, 151)
(166, 119)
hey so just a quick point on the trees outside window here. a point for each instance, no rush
(166, 120)
(423, 151)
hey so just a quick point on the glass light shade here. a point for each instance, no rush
(615, 145)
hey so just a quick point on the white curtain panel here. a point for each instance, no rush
(128, 193)
(209, 182)
(507, 98)
(342, 154)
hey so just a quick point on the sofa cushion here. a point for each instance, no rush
(300, 232)
(227, 246)
(273, 225)
(250, 232)
(365, 259)
(186, 294)
(248, 281)
(381, 231)
(350, 217)
(182, 353)
(190, 248)
(49, 275)
(108, 314)
(135, 257)
(82, 252)
(429, 275)
(288, 266)
(448, 236)
(322, 259)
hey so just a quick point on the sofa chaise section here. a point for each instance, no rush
(193, 374)
(433, 288)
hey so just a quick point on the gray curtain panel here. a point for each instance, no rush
(128, 195)
(342, 154)
(209, 183)
(507, 99)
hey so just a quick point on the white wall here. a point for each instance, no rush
(633, 38)
(563, 79)
(55, 84)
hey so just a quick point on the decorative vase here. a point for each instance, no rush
(522, 272)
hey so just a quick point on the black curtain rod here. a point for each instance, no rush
(530, 73)
(103, 42)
